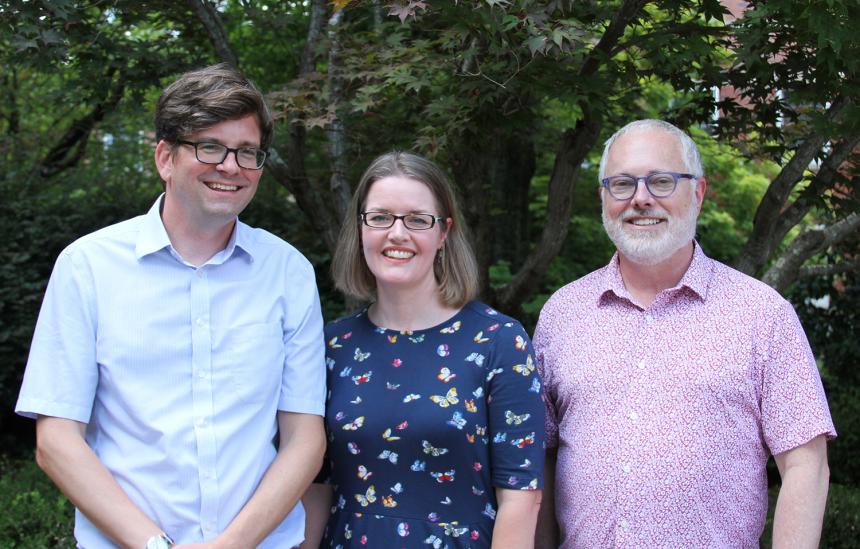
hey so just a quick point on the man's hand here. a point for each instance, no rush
(62, 452)
(300, 453)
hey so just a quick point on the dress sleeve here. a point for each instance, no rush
(793, 405)
(324, 475)
(62, 374)
(516, 414)
(303, 379)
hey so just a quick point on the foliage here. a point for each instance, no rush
(841, 528)
(808, 51)
(735, 187)
(832, 330)
(512, 98)
(35, 514)
(38, 224)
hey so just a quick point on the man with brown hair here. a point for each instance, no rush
(172, 349)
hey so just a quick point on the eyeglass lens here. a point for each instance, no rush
(658, 184)
(216, 153)
(383, 220)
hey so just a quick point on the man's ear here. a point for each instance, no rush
(701, 189)
(164, 160)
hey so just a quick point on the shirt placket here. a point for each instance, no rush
(203, 402)
(631, 417)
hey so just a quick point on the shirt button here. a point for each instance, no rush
(199, 322)
(633, 416)
(648, 318)
(201, 374)
(199, 273)
(201, 422)
(626, 468)
(624, 525)
(641, 365)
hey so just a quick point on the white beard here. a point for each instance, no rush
(652, 247)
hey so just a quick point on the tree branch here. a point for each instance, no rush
(810, 271)
(208, 15)
(289, 172)
(308, 201)
(70, 148)
(575, 145)
(625, 14)
(808, 243)
(824, 179)
(292, 173)
(763, 241)
(686, 28)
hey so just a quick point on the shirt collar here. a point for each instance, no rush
(153, 237)
(697, 278)
(242, 240)
(699, 273)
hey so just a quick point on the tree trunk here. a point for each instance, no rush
(575, 145)
(336, 133)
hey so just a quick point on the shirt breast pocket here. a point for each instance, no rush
(252, 361)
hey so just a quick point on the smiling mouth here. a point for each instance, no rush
(645, 222)
(222, 187)
(398, 254)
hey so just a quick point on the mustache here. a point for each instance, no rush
(647, 212)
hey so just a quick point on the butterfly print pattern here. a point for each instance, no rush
(424, 425)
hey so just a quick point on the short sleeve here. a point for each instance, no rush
(548, 390)
(516, 414)
(793, 406)
(303, 382)
(324, 474)
(62, 374)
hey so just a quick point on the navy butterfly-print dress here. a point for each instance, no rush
(424, 425)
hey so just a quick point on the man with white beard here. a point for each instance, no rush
(670, 378)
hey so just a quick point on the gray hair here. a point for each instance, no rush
(689, 151)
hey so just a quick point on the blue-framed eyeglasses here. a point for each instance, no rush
(659, 184)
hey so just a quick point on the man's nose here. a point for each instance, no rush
(642, 197)
(229, 164)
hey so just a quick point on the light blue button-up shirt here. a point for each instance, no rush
(179, 371)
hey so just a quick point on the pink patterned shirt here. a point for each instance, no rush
(664, 418)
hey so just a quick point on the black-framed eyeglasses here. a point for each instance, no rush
(659, 184)
(250, 158)
(412, 221)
